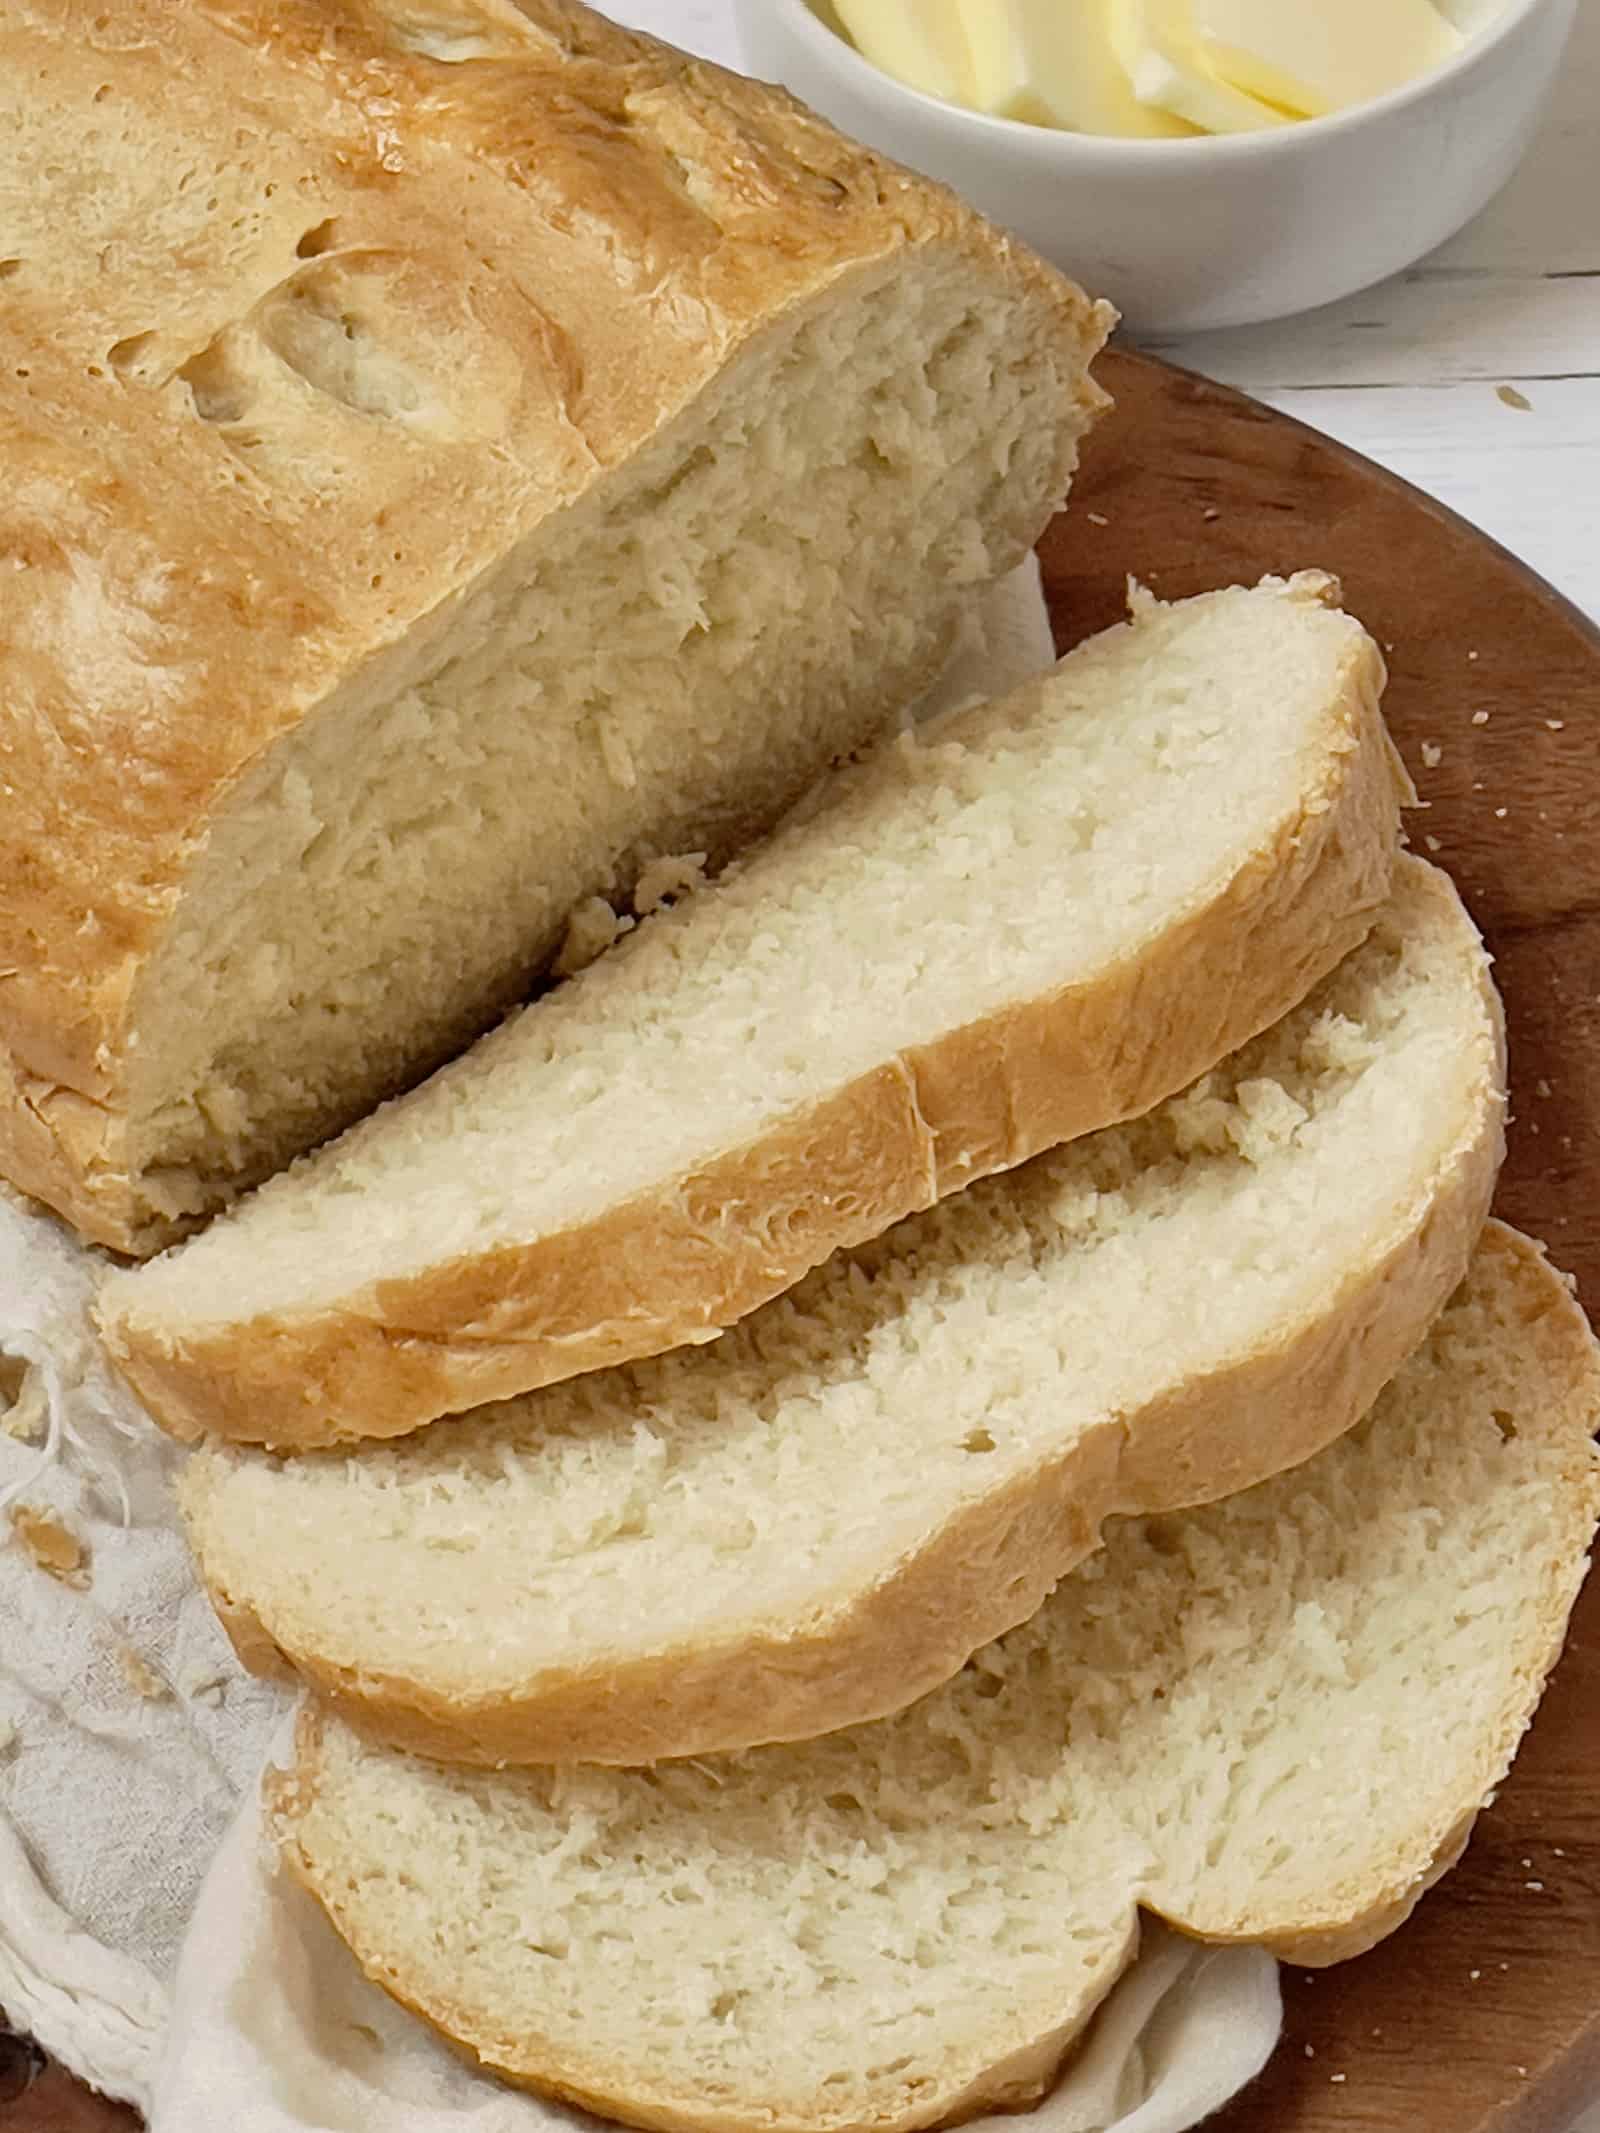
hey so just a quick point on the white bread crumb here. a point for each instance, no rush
(591, 930)
(142, 1678)
(663, 879)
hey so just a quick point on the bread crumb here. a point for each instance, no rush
(663, 879)
(617, 756)
(1432, 755)
(1310, 2053)
(23, 1386)
(1317, 1641)
(1560, 1854)
(1142, 602)
(1095, 519)
(1336, 2077)
(1210, 512)
(1556, 725)
(1542, 1088)
(1500, 814)
(1508, 396)
(55, 1549)
(1523, 2071)
(1433, 844)
(141, 1676)
(1472, 655)
(592, 928)
(1474, 1975)
(1480, 718)
(1536, 1886)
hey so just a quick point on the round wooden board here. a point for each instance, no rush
(1483, 2014)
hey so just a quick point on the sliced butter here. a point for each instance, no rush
(1170, 70)
(919, 44)
(1315, 59)
(1151, 67)
(965, 51)
(1076, 75)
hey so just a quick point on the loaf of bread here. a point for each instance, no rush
(1046, 914)
(455, 456)
(1273, 1720)
(822, 1515)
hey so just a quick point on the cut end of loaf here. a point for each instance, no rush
(612, 664)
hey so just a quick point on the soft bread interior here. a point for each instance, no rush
(1038, 1337)
(1012, 852)
(660, 668)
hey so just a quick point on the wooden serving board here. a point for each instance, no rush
(1482, 2015)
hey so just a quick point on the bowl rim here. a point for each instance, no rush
(1047, 144)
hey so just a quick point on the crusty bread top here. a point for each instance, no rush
(1273, 1720)
(313, 308)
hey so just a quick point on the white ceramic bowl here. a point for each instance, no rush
(1182, 234)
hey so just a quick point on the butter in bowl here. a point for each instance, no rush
(1203, 162)
(1152, 69)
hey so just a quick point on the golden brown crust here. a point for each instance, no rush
(646, 215)
(64, 1148)
(708, 1249)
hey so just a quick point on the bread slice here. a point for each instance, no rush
(823, 1515)
(456, 455)
(1045, 916)
(1273, 1720)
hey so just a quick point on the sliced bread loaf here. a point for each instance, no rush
(1273, 1720)
(522, 452)
(1045, 915)
(822, 1515)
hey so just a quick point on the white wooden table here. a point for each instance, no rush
(1409, 372)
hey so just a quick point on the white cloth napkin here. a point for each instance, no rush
(128, 1730)
(146, 1937)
